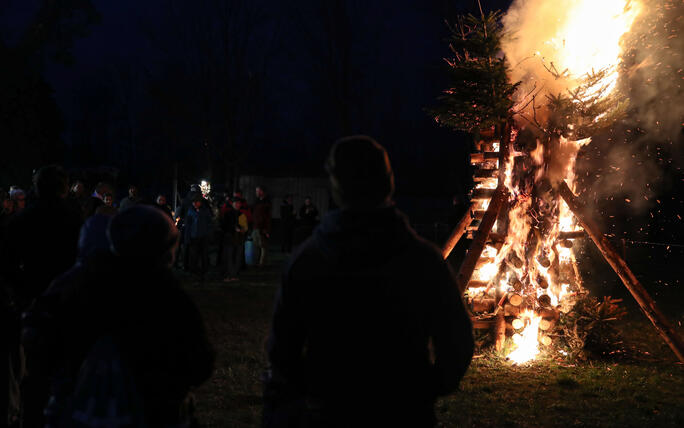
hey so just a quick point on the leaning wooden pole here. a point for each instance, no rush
(480, 239)
(458, 231)
(665, 329)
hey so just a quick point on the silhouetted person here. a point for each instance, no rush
(233, 230)
(19, 198)
(124, 340)
(41, 243)
(308, 218)
(261, 218)
(160, 203)
(369, 327)
(197, 231)
(131, 199)
(287, 221)
(107, 207)
(185, 206)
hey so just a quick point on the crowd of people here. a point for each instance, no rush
(97, 331)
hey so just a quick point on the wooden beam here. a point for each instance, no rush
(480, 238)
(571, 235)
(458, 231)
(483, 173)
(481, 194)
(648, 306)
(478, 158)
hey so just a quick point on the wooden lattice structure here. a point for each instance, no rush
(490, 206)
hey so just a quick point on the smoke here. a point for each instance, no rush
(653, 70)
(641, 156)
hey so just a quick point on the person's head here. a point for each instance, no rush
(307, 201)
(7, 206)
(260, 192)
(77, 189)
(19, 198)
(51, 182)
(108, 199)
(145, 234)
(289, 199)
(360, 173)
(132, 191)
(197, 202)
(237, 204)
(101, 189)
(161, 200)
(237, 194)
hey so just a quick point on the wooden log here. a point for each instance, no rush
(484, 261)
(482, 324)
(515, 299)
(571, 235)
(648, 306)
(566, 243)
(478, 214)
(543, 283)
(496, 238)
(458, 232)
(544, 261)
(477, 284)
(478, 244)
(544, 301)
(551, 314)
(483, 304)
(511, 310)
(515, 260)
(485, 173)
(517, 324)
(481, 194)
(474, 225)
(479, 158)
(546, 340)
(500, 331)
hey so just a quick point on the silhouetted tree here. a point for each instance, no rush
(30, 120)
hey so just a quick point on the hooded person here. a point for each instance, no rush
(368, 326)
(125, 308)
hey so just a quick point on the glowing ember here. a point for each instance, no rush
(527, 346)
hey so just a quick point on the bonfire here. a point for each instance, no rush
(520, 275)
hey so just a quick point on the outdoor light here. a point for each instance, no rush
(205, 187)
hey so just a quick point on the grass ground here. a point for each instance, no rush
(644, 390)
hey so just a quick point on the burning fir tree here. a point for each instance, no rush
(523, 277)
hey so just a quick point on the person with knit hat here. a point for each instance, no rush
(369, 327)
(123, 307)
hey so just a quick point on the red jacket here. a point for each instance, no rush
(261, 215)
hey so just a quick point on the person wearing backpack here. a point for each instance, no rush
(131, 344)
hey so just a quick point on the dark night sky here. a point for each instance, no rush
(396, 69)
(396, 50)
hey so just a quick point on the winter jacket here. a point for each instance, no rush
(361, 304)
(287, 214)
(40, 243)
(158, 328)
(308, 215)
(197, 223)
(233, 219)
(261, 215)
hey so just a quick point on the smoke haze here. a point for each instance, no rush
(641, 157)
